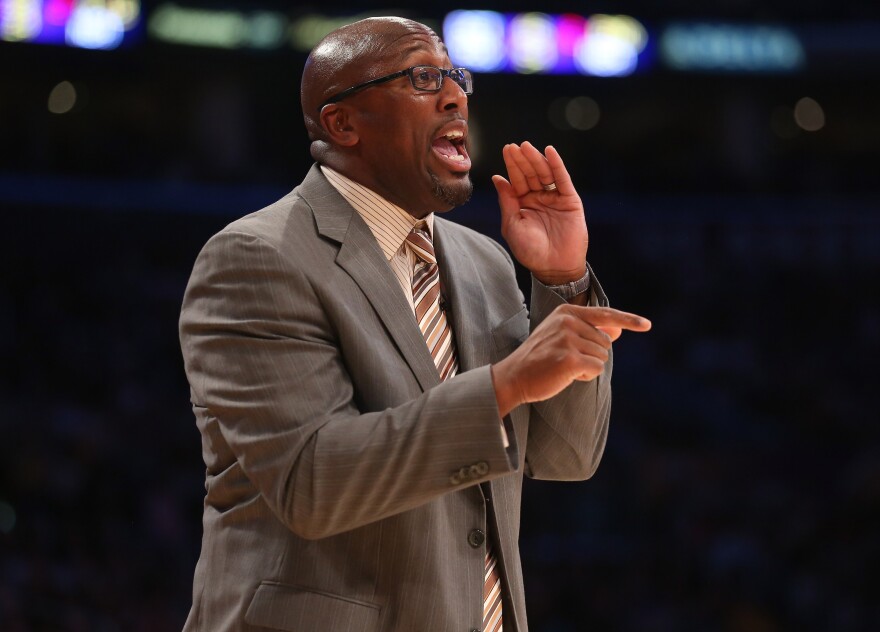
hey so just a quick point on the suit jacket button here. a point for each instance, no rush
(476, 538)
(474, 630)
(482, 468)
(464, 473)
(455, 479)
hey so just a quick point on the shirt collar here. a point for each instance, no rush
(389, 223)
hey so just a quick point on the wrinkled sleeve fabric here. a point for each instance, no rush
(567, 433)
(265, 366)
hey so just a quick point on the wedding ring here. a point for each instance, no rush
(549, 187)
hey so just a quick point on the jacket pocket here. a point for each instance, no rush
(511, 333)
(293, 609)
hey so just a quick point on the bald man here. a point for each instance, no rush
(368, 383)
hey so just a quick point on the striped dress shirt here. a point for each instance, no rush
(389, 223)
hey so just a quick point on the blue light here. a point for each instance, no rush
(475, 39)
(601, 45)
(94, 27)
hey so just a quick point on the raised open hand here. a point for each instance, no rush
(542, 216)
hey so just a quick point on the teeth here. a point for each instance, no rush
(454, 135)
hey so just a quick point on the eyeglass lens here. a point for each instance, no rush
(431, 78)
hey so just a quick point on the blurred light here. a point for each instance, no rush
(475, 39)
(532, 43)
(57, 12)
(217, 29)
(578, 113)
(94, 27)
(97, 24)
(725, 47)
(307, 30)
(267, 30)
(128, 10)
(611, 46)
(197, 27)
(7, 517)
(582, 113)
(570, 32)
(62, 98)
(601, 45)
(20, 20)
(809, 115)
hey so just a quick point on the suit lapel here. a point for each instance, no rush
(461, 283)
(360, 256)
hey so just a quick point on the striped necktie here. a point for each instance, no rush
(438, 336)
(426, 300)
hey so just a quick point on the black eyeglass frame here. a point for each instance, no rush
(467, 78)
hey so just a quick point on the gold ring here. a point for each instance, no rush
(549, 187)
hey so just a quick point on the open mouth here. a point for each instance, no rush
(450, 147)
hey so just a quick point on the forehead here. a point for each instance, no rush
(413, 47)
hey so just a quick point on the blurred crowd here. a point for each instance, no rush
(740, 489)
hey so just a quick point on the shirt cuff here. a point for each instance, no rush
(573, 288)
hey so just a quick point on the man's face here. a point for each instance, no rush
(413, 143)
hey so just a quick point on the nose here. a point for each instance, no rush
(452, 96)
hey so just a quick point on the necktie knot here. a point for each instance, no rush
(420, 242)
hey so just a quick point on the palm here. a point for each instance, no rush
(545, 230)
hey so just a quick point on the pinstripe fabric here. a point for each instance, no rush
(329, 440)
(438, 336)
(389, 224)
(417, 272)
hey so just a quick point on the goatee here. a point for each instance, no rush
(455, 194)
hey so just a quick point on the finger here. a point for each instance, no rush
(610, 317)
(589, 348)
(575, 323)
(612, 332)
(514, 172)
(528, 169)
(559, 173)
(539, 164)
(591, 368)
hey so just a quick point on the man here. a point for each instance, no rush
(362, 372)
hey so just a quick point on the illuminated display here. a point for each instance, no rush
(80, 23)
(731, 48)
(599, 45)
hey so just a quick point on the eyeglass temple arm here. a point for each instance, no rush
(350, 91)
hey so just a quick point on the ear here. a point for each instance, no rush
(336, 121)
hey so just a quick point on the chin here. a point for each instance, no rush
(453, 192)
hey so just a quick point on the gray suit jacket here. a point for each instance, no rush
(345, 484)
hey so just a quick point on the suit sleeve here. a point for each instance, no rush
(567, 433)
(265, 367)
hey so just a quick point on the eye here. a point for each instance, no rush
(426, 77)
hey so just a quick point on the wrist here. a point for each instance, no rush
(570, 288)
(506, 393)
(556, 277)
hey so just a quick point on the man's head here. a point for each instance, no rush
(406, 144)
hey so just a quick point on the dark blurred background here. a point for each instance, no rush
(736, 205)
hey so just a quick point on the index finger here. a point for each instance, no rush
(610, 317)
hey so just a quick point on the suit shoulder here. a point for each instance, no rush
(470, 239)
(272, 223)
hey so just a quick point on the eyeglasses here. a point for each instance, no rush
(425, 78)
